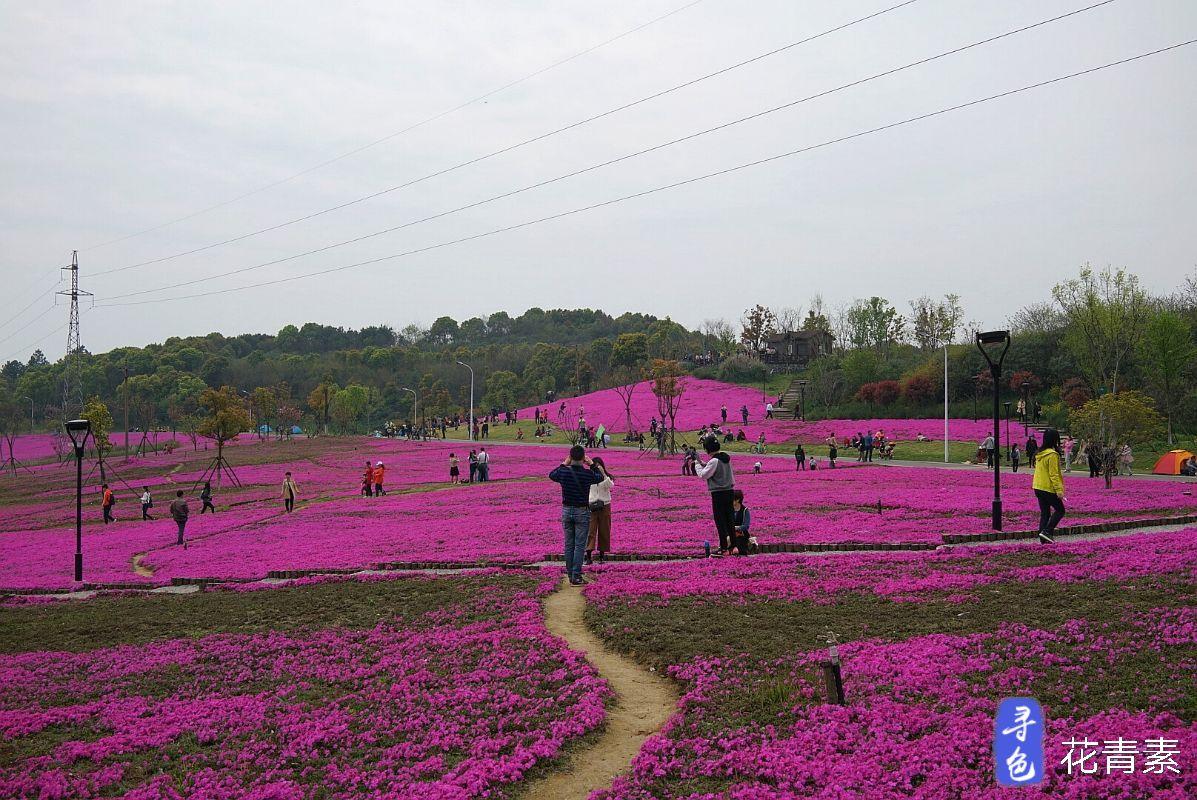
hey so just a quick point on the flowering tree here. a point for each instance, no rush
(1115, 421)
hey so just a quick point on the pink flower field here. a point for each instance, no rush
(393, 685)
(511, 519)
(453, 704)
(701, 403)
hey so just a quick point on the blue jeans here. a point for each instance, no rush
(576, 524)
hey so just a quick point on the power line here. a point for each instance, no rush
(677, 184)
(54, 332)
(609, 162)
(32, 303)
(402, 131)
(27, 324)
(512, 147)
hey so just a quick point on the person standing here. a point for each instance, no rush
(744, 413)
(379, 475)
(599, 535)
(368, 481)
(723, 413)
(721, 482)
(1032, 448)
(179, 513)
(473, 466)
(833, 453)
(576, 474)
(206, 498)
(987, 446)
(769, 410)
(1015, 455)
(869, 441)
(147, 502)
(1125, 459)
(290, 492)
(454, 470)
(483, 465)
(799, 458)
(742, 519)
(1049, 485)
(106, 503)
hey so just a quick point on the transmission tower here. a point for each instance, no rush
(72, 373)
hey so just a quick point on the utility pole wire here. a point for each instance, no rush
(677, 184)
(511, 147)
(584, 170)
(400, 132)
(666, 187)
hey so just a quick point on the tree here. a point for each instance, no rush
(223, 418)
(11, 421)
(875, 324)
(626, 379)
(503, 388)
(288, 417)
(320, 401)
(719, 336)
(1166, 351)
(97, 414)
(1106, 315)
(630, 350)
(816, 317)
(789, 318)
(348, 405)
(934, 322)
(757, 323)
(668, 388)
(444, 331)
(918, 389)
(263, 402)
(1114, 420)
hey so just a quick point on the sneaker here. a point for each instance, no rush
(1045, 539)
(588, 560)
(576, 581)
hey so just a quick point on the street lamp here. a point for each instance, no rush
(415, 406)
(78, 429)
(802, 400)
(30, 399)
(471, 369)
(1007, 405)
(1026, 407)
(995, 371)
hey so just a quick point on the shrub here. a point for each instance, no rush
(741, 369)
(887, 392)
(918, 389)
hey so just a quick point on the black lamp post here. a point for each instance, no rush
(1007, 405)
(1026, 407)
(802, 400)
(78, 429)
(995, 371)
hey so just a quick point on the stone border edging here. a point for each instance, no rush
(1072, 530)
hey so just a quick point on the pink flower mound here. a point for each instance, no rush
(700, 405)
(447, 708)
(910, 577)
(919, 720)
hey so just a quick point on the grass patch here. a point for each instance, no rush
(109, 621)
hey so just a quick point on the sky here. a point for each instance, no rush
(134, 132)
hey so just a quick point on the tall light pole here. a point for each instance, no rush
(802, 400)
(471, 369)
(1026, 407)
(995, 371)
(415, 406)
(78, 429)
(945, 402)
(1007, 405)
(30, 399)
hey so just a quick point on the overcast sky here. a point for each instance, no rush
(116, 117)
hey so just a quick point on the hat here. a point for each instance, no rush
(379, 464)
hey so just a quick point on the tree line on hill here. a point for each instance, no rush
(1099, 333)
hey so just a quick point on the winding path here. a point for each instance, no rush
(644, 700)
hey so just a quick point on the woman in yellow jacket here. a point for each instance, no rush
(1049, 485)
